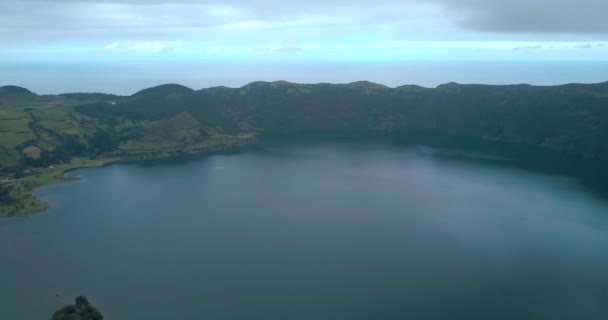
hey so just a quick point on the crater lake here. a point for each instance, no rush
(312, 231)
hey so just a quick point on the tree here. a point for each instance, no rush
(103, 141)
(5, 195)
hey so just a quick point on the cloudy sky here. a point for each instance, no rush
(272, 31)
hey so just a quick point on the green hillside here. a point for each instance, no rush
(42, 133)
(43, 136)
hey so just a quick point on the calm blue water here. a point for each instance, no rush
(311, 232)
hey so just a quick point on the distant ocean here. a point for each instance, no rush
(128, 78)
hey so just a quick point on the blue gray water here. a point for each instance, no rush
(311, 232)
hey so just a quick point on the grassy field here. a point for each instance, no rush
(14, 130)
(15, 127)
(181, 132)
(63, 120)
(39, 126)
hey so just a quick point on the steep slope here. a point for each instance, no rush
(571, 118)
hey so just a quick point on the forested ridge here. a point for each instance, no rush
(570, 118)
(39, 132)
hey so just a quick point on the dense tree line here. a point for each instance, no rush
(572, 119)
(5, 195)
(103, 141)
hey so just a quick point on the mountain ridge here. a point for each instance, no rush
(570, 118)
(44, 131)
(19, 89)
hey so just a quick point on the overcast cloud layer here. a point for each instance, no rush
(273, 31)
(90, 20)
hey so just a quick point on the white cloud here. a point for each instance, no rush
(279, 49)
(535, 47)
(113, 45)
(146, 46)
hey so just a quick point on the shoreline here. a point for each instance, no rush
(26, 203)
(520, 156)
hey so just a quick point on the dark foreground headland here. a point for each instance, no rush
(80, 310)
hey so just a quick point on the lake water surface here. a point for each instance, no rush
(311, 232)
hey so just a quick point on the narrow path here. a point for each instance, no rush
(16, 186)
